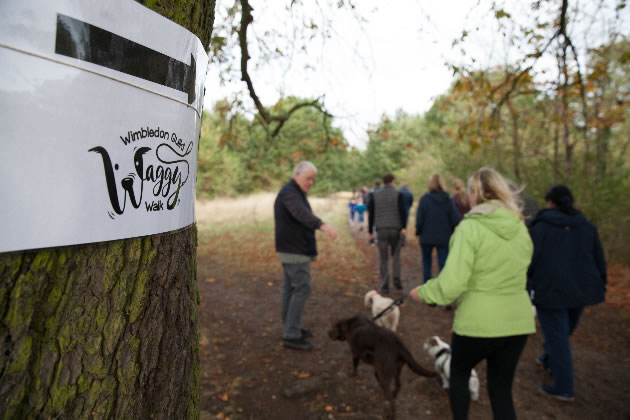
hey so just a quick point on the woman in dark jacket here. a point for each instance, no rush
(436, 219)
(460, 197)
(567, 273)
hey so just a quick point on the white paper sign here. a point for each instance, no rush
(100, 112)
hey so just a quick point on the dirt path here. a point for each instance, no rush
(247, 374)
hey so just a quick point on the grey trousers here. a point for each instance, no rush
(389, 241)
(296, 289)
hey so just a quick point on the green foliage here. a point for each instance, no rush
(238, 156)
(220, 170)
(578, 134)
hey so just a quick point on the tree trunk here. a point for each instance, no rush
(566, 117)
(107, 330)
(516, 147)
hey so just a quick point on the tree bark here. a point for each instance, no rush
(107, 330)
(516, 147)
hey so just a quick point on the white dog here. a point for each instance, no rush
(378, 304)
(441, 352)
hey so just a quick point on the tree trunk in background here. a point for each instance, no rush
(516, 147)
(107, 330)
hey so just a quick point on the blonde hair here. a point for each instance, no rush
(460, 191)
(487, 184)
(437, 183)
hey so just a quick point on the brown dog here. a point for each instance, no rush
(380, 347)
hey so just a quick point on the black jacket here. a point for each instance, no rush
(407, 199)
(295, 222)
(568, 268)
(436, 218)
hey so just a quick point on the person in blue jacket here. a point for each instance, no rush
(436, 219)
(567, 273)
(407, 197)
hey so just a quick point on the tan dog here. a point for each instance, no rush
(378, 304)
(441, 352)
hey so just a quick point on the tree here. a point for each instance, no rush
(237, 156)
(239, 38)
(106, 330)
(544, 30)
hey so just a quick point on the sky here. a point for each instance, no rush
(394, 61)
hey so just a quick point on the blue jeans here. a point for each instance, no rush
(427, 262)
(557, 326)
(296, 289)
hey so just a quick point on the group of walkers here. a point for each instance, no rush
(493, 268)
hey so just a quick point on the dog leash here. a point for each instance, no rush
(397, 302)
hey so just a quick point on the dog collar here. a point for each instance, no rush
(441, 352)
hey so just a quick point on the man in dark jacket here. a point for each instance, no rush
(295, 226)
(567, 273)
(387, 216)
(407, 197)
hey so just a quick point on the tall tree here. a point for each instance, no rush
(106, 330)
(242, 43)
(539, 33)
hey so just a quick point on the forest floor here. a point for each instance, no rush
(246, 373)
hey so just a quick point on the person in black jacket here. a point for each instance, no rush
(436, 219)
(407, 197)
(387, 219)
(296, 246)
(567, 273)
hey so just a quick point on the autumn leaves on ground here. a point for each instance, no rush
(247, 374)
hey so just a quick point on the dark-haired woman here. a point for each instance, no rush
(567, 273)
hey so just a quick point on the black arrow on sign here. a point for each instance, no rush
(90, 43)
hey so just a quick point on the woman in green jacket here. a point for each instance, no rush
(485, 274)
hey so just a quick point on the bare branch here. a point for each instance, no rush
(265, 117)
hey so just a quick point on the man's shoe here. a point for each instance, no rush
(306, 333)
(398, 285)
(297, 344)
(546, 389)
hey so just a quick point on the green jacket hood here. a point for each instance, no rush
(496, 218)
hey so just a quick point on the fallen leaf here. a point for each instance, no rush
(269, 284)
(210, 280)
(224, 397)
(303, 375)
(329, 409)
